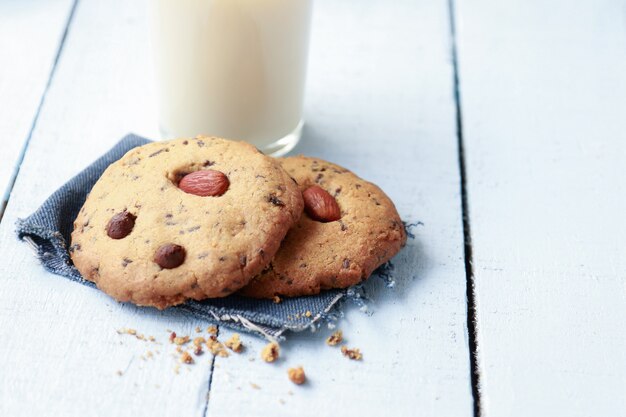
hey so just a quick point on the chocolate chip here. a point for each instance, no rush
(170, 256)
(126, 261)
(121, 225)
(185, 142)
(208, 163)
(158, 152)
(346, 263)
(94, 274)
(275, 200)
(243, 260)
(200, 143)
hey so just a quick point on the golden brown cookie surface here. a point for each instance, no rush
(319, 254)
(188, 218)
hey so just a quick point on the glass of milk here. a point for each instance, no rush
(232, 68)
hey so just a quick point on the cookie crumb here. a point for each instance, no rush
(198, 351)
(186, 358)
(280, 400)
(270, 352)
(296, 375)
(277, 299)
(131, 332)
(198, 329)
(172, 337)
(308, 313)
(119, 373)
(255, 386)
(354, 353)
(335, 338)
(199, 341)
(216, 348)
(212, 330)
(234, 343)
(181, 340)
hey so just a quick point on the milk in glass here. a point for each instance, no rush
(232, 68)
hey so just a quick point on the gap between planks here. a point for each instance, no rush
(22, 153)
(208, 391)
(467, 231)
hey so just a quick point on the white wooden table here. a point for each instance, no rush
(499, 125)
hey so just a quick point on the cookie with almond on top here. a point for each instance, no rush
(183, 219)
(350, 228)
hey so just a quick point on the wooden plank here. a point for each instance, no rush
(30, 35)
(543, 101)
(60, 352)
(380, 101)
(415, 343)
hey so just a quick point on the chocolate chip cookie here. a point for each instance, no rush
(189, 218)
(350, 228)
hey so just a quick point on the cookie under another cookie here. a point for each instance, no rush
(145, 240)
(318, 255)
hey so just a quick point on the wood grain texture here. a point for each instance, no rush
(30, 34)
(544, 104)
(380, 102)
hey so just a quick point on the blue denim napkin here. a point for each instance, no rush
(48, 230)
